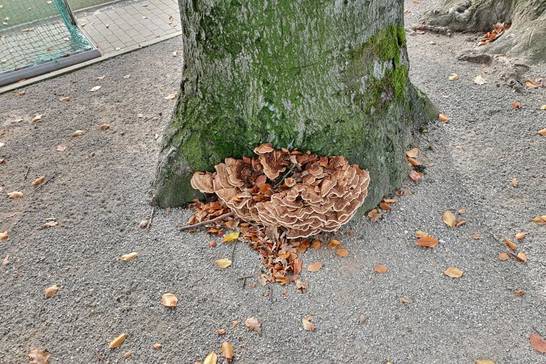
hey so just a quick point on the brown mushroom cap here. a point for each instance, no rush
(322, 194)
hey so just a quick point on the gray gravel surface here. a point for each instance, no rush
(100, 192)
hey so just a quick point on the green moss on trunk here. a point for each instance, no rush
(324, 76)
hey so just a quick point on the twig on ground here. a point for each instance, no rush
(233, 252)
(218, 218)
(432, 28)
(244, 280)
(151, 219)
(290, 170)
(26, 173)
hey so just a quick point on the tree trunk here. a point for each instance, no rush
(525, 39)
(326, 76)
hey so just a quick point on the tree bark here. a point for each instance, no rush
(525, 39)
(326, 76)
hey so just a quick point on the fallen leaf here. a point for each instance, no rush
(543, 107)
(51, 291)
(95, 88)
(520, 235)
(374, 215)
(427, 241)
(443, 118)
(301, 285)
(380, 268)
(510, 245)
(420, 234)
(522, 257)
(128, 355)
(15, 195)
(484, 361)
(170, 96)
(60, 148)
(342, 252)
(38, 356)
(253, 324)
(156, 346)
(212, 358)
(541, 220)
(307, 324)
(479, 80)
(449, 218)
(65, 98)
(227, 350)
(537, 343)
(333, 244)
(143, 224)
(231, 236)
(38, 181)
(503, 256)
(412, 153)
(4, 235)
(169, 300)
(316, 244)
(117, 342)
(78, 133)
(453, 77)
(453, 272)
(129, 257)
(36, 118)
(542, 132)
(223, 263)
(405, 300)
(531, 84)
(50, 224)
(515, 182)
(519, 292)
(516, 105)
(415, 176)
(104, 126)
(314, 267)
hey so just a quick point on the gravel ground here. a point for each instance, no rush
(100, 192)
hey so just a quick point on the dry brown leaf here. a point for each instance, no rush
(38, 181)
(50, 224)
(522, 257)
(519, 292)
(415, 176)
(231, 236)
(427, 241)
(38, 356)
(516, 105)
(129, 257)
(212, 358)
(316, 244)
(104, 126)
(510, 245)
(227, 351)
(531, 84)
(301, 286)
(520, 235)
(542, 132)
(51, 291)
(169, 300)
(342, 252)
(37, 118)
(314, 267)
(374, 215)
(443, 118)
(117, 342)
(453, 272)
(449, 218)
(128, 355)
(78, 133)
(65, 98)
(412, 153)
(515, 182)
(156, 346)
(484, 361)
(15, 195)
(223, 263)
(420, 234)
(253, 324)
(60, 148)
(540, 219)
(380, 268)
(503, 256)
(308, 325)
(405, 300)
(333, 244)
(4, 235)
(537, 343)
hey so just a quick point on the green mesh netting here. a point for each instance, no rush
(38, 31)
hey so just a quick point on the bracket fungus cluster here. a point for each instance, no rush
(285, 195)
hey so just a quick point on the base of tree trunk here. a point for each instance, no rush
(526, 38)
(326, 77)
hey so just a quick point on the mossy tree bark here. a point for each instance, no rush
(326, 76)
(525, 39)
